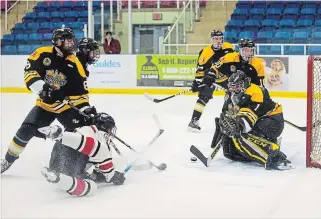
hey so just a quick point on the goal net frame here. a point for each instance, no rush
(313, 140)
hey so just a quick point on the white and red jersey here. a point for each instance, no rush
(90, 141)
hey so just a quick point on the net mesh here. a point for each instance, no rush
(316, 111)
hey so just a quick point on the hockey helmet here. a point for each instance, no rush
(238, 82)
(217, 38)
(105, 123)
(64, 39)
(90, 48)
(247, 49)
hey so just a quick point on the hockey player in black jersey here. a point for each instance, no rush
(53, 73)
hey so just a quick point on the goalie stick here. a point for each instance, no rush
(161, 100)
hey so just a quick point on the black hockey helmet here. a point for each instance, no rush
(217, 38)
(247, 48)
(64, 39)
(238, 82)
(90, 48)
(105, 123)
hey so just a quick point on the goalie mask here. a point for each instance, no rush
(247, 49)
(217, 39)
(90, 49)
(238, 82)
(105, 123)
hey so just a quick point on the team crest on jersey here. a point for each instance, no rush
(55, 78)
(233, 68)
(46, 61)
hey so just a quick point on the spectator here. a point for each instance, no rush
(111, 46)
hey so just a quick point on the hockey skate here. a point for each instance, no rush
(194, 126)
(52, 132)
(5, 165)
(277, 161)
(50, 175)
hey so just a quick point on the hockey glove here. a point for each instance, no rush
(90, 111)
(196, 85)
(229, 126)
(209, 78)
(50, 95)
(118, 178)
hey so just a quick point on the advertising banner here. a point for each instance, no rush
(112, 71)
(277, 76)
(168, 71)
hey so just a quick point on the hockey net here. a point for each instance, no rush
(313, 133)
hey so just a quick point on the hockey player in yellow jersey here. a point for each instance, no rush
(250, 124)
(245, 60)
(207, 56)
(53, 73)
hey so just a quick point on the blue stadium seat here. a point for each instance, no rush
(260, 4)
(18, 28)
(24, 49)
(258, 17)
(269, 24)
(275, 50)
(7, 39)
(230, 36)
(264, 37)
(58, 24)
(306, 17)
(316, 37)
(314, 50)
(251, 25)
(300, 37)
(96, 5)
(309, 5)
(53, 6)
(83, 16)
(308, 11)
(257, 11)
(317, 23)
(240, 14)
(275, 4)
(40, 7)
(286, 23)
(81, 6)
(282, 37)
(294, 11)
(21, 39)
(235, 25)
(32, 27)
(43, 17)
(46, 38)
(294, 50)
(9, 50)
(57, 16)
(304, 24)
(244, 4)
(45, 27)
(34, 38)
(247, 34)
(293, 4)
(66, 6)
(71, 16)
(76, 25)
(273, 13)
(30, 17)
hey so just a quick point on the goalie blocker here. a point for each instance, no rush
(251, 123)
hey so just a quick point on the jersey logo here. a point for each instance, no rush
(233, 68)
(55, 78)
(46, 61)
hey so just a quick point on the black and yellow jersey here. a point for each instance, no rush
(208, 56)
(65, 73)
(253, 104)
(231, 62)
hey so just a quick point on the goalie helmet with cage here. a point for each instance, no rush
(238, 82)
(217, 38)
(105, 123)
(247, 49)
(64, 39)
(90, 48)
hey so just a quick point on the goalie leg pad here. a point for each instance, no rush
(230, 151)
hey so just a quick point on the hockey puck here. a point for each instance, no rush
(193, 159)
(163, 166)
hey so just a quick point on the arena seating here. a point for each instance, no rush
(283, 22)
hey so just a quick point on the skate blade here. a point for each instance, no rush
(194, 130)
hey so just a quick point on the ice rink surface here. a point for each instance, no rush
(185, 190)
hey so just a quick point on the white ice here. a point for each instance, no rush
(185, 190)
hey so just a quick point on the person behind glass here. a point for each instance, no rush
(111, 46)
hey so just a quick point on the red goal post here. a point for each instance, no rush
(313, 134)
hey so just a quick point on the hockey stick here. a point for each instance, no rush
(303, 128)
(162, 166)
(161, 100)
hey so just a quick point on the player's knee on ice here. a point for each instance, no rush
(76, 186)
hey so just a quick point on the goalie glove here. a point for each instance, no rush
(229, 126)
